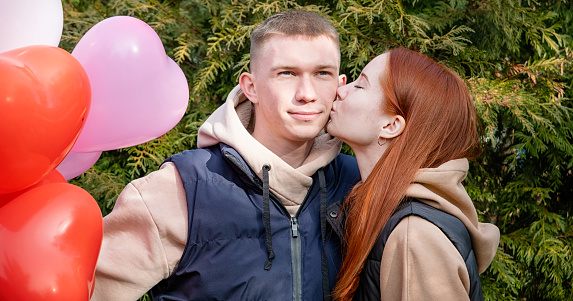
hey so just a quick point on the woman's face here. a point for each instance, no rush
(357, 117)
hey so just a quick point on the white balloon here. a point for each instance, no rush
(30, 22)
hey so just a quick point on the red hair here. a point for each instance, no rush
(441, 125)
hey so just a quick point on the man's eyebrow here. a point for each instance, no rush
(327, 66)
(283, 67)
(290, 67)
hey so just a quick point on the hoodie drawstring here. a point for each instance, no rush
(324, 263)
(267, 222)
(267, 217)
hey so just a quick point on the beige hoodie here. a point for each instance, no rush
(419, 262)
(146, 233)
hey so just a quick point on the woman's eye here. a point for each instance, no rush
(358, 87)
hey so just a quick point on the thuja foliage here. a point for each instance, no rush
(514, 55)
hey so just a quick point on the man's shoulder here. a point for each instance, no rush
(203, 162)
(346, 167)
(194, 157)
(345, 157)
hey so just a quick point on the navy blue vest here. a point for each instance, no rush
(225, 255)
(453, 228)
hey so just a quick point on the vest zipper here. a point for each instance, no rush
(295, 243)
(296, 250)
(296, 254)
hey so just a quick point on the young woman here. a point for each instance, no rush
(412, 126)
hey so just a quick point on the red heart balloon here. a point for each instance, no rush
(50, 241)
(45, 97)
(53, 177)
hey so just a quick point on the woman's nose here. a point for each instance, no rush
(341, 92)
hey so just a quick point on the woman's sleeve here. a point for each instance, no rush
(420, 263)
(144, 237)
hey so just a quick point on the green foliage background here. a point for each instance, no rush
(515, 56)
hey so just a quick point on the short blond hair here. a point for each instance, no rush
(292, 22)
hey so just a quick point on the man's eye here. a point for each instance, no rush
(323, 73)
(286, 73)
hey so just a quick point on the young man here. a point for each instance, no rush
(244, 217)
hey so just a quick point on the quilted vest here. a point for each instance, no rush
(227, 248)
(369, 286)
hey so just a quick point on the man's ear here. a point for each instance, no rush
(342, 80)
(248, 86)
(392, 127)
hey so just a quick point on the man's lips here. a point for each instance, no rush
(305, 116)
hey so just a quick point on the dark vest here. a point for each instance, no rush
(453, 228)
(226, 250)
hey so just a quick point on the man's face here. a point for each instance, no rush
(294, 80)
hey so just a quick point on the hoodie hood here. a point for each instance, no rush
(442, 188)
(232, 124)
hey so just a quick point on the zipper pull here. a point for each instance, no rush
(294, 226)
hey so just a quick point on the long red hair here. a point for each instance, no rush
(441, 125)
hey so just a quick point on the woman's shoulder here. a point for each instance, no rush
(418, 260)
(416, 233)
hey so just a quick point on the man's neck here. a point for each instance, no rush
(294, 153)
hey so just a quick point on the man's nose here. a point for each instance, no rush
(306, 91)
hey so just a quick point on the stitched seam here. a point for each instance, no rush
(165, 261)
(217, 240)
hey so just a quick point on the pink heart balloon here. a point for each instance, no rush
(138, 92)
(75, 164)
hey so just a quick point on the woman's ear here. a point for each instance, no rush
(392, 127)
(248, 86)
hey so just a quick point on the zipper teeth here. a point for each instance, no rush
(295, 246)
